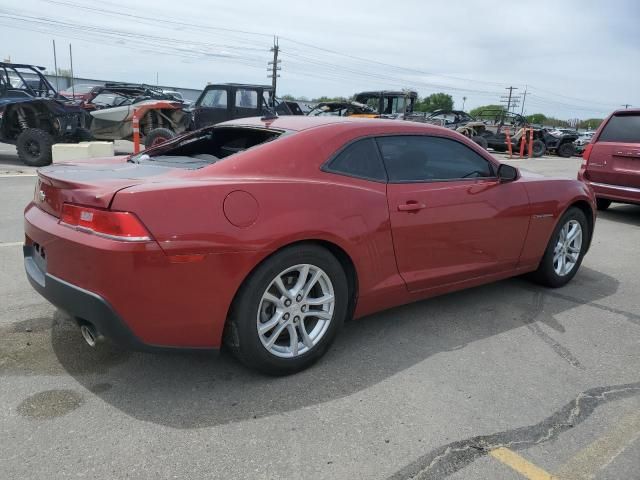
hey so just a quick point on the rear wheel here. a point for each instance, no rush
(289, 311)
(480, 141)
(565, 250)
(603, 203)
(158, 136)
(34, 147)
(566, 150)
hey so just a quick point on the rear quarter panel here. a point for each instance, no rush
(549, 199)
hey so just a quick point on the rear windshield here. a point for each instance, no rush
(622, 129)
(205, 147)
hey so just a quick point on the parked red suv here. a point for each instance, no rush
(612, 160)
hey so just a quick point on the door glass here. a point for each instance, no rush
(215, 99)
(427, 159)
(622, 129)
(246, 98)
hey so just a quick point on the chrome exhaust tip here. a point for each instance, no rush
(90, 335)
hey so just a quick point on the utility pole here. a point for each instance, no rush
(509, 98)
(55, 66)
(464, 99)
(524, 97)
(73, 93)
(626, 105)
(274, 67)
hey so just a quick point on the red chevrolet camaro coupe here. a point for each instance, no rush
(266, 234)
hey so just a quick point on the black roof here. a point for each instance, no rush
(19, 65)
(245, 85)
(389, 93)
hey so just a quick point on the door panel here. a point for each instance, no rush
(456, 230)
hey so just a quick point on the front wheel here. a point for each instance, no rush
(566, 150)
(538, 148)
(565, 250)
(289, 311)
(34, 147)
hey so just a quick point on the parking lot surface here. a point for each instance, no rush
(504, 381)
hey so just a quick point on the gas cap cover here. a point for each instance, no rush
(241, 208)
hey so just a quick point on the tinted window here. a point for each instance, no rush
(215, 99)
(424, 159)
(359, 159)
(246, 99)
(622, 128)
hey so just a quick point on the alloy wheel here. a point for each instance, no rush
(568, 246)
(295, 311)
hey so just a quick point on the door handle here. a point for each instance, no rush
(411, 206)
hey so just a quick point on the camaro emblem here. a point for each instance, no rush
(42, 195)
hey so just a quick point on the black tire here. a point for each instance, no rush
(34, 147)
(566, 150)
(83, 135)
(241, 335)
(480, 141)
(158, 136)
(603, 203)
(539, 148)
(546, 274)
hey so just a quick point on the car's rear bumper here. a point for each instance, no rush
(81, 304)
(133, 292)
(617, 193)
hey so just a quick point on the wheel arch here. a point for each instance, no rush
(588, 211)
(336, 250)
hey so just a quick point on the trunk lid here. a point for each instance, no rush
(89, 184)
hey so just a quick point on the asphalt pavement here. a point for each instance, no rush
(504, 381)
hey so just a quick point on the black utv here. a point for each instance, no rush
(227, 101)
(34, 116)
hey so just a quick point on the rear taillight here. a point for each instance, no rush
(106, 223)
(587, 153)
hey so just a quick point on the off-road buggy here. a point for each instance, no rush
(112, 108)
(389, 104)
(34, 116)
(221, 102)
(495, 122)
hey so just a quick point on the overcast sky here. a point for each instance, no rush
(577, 59)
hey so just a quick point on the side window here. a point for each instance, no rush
(427, 159)
(247, 99)
(359, 159)
(215, 99)
(622, 128)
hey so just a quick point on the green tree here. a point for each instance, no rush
(476, 111)
(591, 123)
(537, 118)
(435, 101)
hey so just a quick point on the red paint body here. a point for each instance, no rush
(612, 168)
(233, 214)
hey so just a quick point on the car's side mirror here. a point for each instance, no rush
(507, 173)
